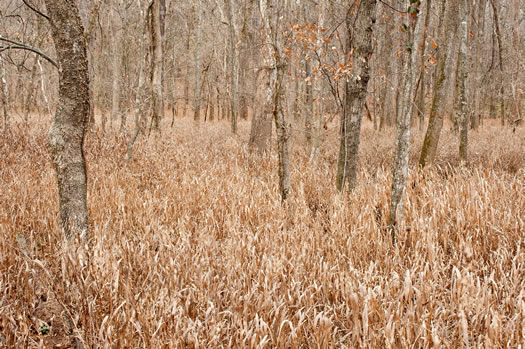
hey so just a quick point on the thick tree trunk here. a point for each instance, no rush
(66, 136)
(116, 57)
(356, 86)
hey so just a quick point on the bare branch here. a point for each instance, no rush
(21, 46)
(35, 10)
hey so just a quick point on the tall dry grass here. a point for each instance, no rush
(192, 247)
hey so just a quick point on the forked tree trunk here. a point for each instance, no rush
(66, 135)
(356, 86)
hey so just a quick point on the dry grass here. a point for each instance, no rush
(192, 248)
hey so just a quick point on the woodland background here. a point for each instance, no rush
(193, 241)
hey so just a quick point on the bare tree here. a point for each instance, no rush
(197, 92)
(435, 123)
(66, 136)
(402, 144)
(273, 106)
(461, 79)
(356, 86)
(157, 92)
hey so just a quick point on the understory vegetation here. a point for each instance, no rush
(191, 246)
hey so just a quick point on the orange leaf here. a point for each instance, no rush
(434, 45)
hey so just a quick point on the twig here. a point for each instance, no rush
(19, 45)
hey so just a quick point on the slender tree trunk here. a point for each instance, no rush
(157, 95)
(500, 59)
(435, 122)
(274, 107)
(308, 104)
(66, 135)
(420, 111)
(186, 82)
(233, 67)
(462, 77)
(356, 86)
(402, 144)
(31, 91)
(5, 94)
(197, 97)
(139, 111)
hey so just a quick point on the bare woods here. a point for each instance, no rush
(262, 174)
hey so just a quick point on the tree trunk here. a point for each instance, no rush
(139, 112)
(435, 122)
(66, 135)
(116, 57)
(273, 102)
(402, 144)
(308, 104)
(157, 95)
(5, 95)
(197, 97)
(233, 67)
(462, 81)
(500, 59)
(420, 111)
(356, 86)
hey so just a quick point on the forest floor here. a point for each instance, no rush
(192, 248)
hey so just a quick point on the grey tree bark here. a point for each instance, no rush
(139, 111)
(5, 94)
(435, 122)
(356, 86)
(116, 58)
(197, 92)
(66, 135)
(233, 65)
(273, 105)
(157, 91)
(462, 84)
(402, 144)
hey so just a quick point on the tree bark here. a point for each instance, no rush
(435, 122)
(462, 81)
(66, 136)
(139, 112)
(157, 92)
(273, 105)
(402, 144)
(356, 86)
(116, 58)
(197, 96)
(233, 66)
(5, 94)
